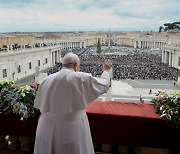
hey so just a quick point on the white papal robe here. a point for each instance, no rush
(63, 127)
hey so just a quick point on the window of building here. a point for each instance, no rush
(19, 68)
(4, 72)
(46, 60)
(39, 63)
(30, 65)
(179, 61)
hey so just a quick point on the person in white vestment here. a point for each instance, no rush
(63, 127)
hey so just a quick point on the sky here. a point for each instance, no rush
(86, 15)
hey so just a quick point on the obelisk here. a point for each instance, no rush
(109, 43)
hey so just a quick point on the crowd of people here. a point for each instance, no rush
(136, 64)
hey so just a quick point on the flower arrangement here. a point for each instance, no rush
(17, 99)
(168, 107)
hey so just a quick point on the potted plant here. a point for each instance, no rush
(17, 100)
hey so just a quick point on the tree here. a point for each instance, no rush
(168, 26)
(98, 49)
(161, 28)
(177, 23)
(171, 26)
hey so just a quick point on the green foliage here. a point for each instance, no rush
(177, 23)
(98, 50)
(168, 107)
(9, 84)
(170, 26)
(160, 28)
(17, 100)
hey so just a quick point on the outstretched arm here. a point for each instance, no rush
(97, 86)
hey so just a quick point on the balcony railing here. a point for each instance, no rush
(116, 127)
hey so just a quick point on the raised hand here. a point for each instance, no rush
(107, 65)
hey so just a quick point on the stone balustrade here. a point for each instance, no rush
(25, 145)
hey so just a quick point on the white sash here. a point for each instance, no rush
(74, 116)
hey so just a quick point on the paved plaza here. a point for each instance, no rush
(26, 80)
(130, 90)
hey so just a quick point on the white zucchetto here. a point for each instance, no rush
(70, 58)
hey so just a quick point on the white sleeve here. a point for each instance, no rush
(94, 87)
(105, 79)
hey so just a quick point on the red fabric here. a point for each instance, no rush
(122, 109)
(130, 124)
(120, 123)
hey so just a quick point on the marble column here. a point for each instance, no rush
(60, 55)
(52, 53)
(173, 58)
(154, 45)
(135, 44)
(170, 58)
(165, 55)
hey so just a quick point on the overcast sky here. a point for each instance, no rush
(86, 15)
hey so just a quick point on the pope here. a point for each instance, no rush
(63, 126)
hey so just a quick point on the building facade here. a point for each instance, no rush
(171, 54)
(21, 54)
(20, 61)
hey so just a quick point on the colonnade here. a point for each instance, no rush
(70, 45)
(67, 44)
(151, 44)
(171, 56)
(168, 57)
(55, 56)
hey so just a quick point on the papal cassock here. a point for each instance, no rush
(63, 127)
